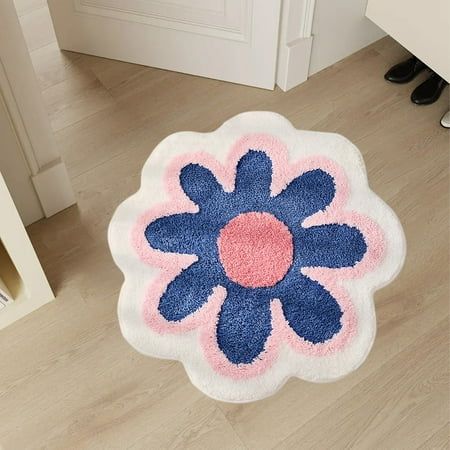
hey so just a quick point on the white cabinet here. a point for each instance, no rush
(423, 28)
(20, 269)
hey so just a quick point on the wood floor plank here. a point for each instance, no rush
(75, 99)
(54, 66)
(438, 441)
(408, 390)
(37, 28)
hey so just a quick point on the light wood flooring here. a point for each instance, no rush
(68, 380)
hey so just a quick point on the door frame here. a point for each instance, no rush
(21, 95)
(295, 42)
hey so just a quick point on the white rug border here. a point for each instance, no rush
(290, 363)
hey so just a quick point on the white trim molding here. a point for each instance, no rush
(53, 200)
(228, 21)
(25, 107)
(295, 43)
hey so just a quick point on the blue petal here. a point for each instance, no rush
(188, 291)
(330, 246)
(254, 174)
(310, 310)
(244, 324)
(180, 233)
(200, 185)
(305, 195)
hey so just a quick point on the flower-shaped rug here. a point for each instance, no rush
(251, 254)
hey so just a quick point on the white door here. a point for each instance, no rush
(231, 40)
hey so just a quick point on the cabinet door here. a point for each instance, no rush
(423, 28)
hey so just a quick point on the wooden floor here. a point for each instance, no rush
(68, 379)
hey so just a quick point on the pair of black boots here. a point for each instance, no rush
(424, 94)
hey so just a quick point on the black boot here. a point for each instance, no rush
(429, 91)
(404, 71)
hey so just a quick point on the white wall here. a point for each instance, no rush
(339, 29)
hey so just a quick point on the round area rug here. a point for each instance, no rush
(251, 254)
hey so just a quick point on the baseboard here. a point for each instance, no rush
(54, 189)
(293, 63)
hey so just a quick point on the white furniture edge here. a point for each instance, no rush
(35, 290)
(26, 109)
(431, 45)
(295, 43)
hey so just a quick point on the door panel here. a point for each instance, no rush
(216, 18)
(232, 40)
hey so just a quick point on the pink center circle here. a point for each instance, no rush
(255, 249)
